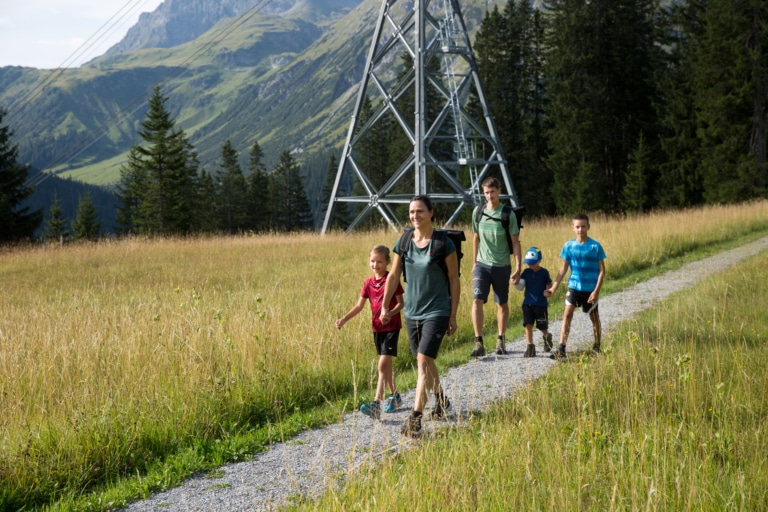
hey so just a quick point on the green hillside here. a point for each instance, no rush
(282, 81)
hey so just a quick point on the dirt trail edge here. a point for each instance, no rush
(310, 463)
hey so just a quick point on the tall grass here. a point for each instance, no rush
(673, 417)
(117, 356)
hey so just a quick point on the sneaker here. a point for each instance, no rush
(501, 349)
(530, 351)
(479, 350)
(559, 354)
(548, 342)
(412, 426)
(596, 348)
(372, 410)
(441, 408)
(393, 402)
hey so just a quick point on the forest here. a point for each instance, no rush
(601, 106)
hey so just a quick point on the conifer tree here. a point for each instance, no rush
(231, 192)
(292, 211)
(86, 225)
(129, 192)
(600, 64)
(55, 229)
(160, 179)
(731, 87)
(259, 199)
(679, 182)
(17, 222)
(634, 196)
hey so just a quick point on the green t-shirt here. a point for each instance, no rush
(428, 291)
(493, 249)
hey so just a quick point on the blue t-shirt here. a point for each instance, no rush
(535, 284)
(584, 259)
(428, 291)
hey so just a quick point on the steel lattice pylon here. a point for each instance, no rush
(445, 136)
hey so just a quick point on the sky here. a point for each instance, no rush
(48, 34)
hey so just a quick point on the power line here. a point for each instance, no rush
(141, 99)
(17, 107)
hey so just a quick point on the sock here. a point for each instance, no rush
(416, 414)
(500, 337)
(562, 347)
(479, 338)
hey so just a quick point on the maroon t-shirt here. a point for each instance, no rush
(373, 290)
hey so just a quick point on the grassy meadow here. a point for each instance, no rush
(673, 416)
(126, 366)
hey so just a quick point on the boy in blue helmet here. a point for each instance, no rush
(535, 280)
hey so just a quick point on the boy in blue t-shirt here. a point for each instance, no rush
(586, 258)
(535, 305)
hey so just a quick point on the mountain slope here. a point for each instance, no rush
(281, 80)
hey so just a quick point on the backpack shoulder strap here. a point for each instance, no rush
(405, 242)
(479, 213)
(438, 244)
(506, 210)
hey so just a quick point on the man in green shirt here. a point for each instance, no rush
(491, 264)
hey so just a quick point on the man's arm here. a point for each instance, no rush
(518, 254)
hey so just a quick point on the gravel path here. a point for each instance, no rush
(307, 464)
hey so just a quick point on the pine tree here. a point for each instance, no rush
(600, 64)
(679, 182)
(259, 199)
(292, 211)
(231, 192)
(129, 192)
(86, 225)
(509, 48)
(634, 196)
(731, 84)
(159, 184)
(16, 222)
(55, 229)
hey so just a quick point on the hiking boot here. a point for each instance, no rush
(596, 348)
(441, 408)
(412, 426)
(372, 410)
(530, 351)
(479, 350)
(559, 354)
(501, 349)
(393, 402)
(548, 342)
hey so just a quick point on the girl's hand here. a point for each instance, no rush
(385, 316)
(339, 323)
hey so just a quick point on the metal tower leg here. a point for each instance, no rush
(446, 138)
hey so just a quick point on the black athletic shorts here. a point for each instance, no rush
(484, 276)
(538, 315)
(386, 342)
(579, 299)
(427, 335)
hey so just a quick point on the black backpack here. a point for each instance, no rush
(505, 214)
(438, 246)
